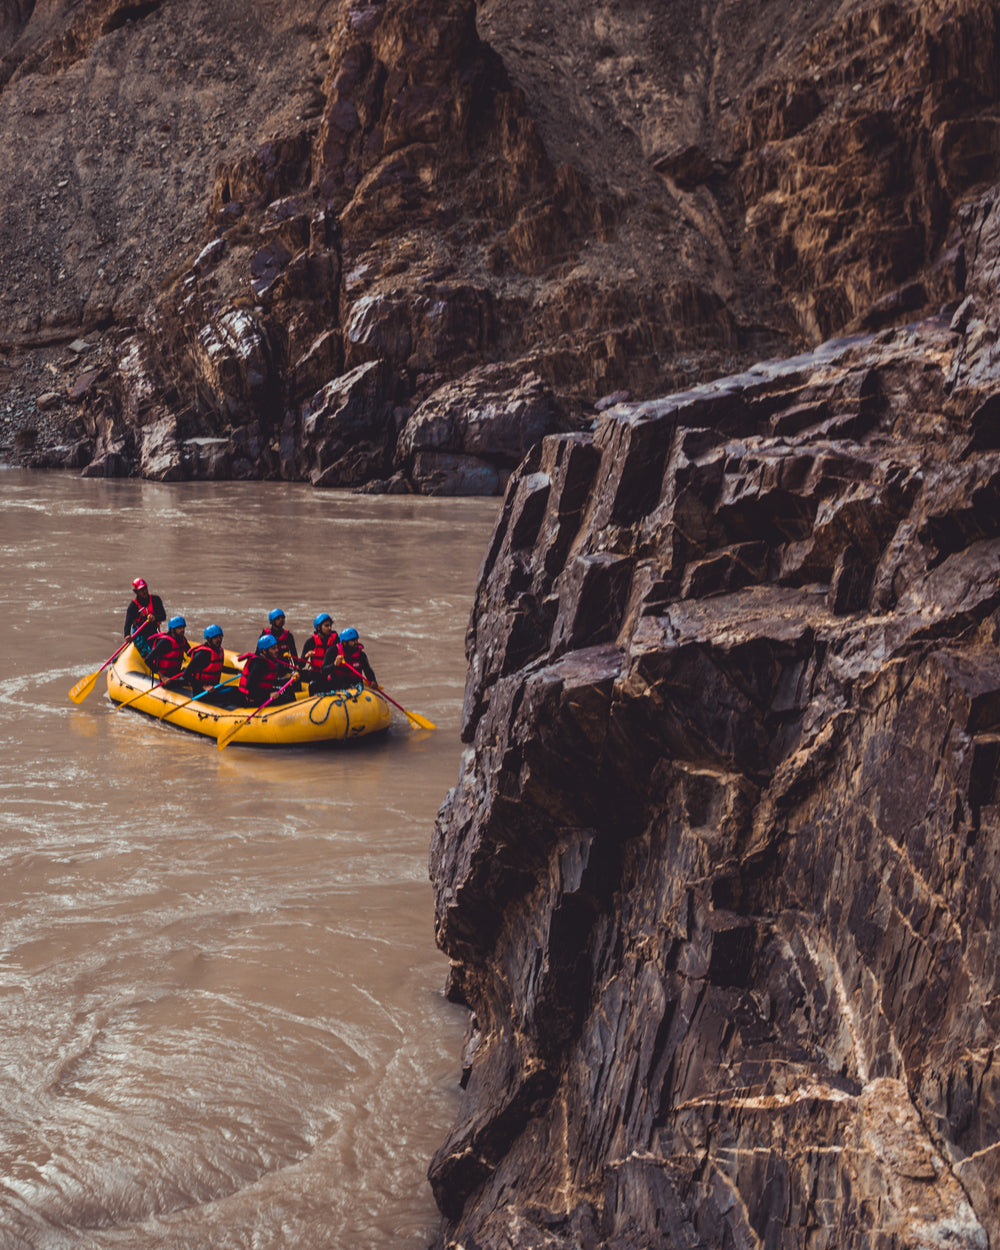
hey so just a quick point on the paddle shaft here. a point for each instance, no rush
(231, 733)
(138, 696)
(420, 721)
(83, 687)
(195, 697)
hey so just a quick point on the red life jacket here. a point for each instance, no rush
(266, 672)
(170, 662)
(145, 616)
(354, 655)
(212, 671)
(320, 645)
(284, 641)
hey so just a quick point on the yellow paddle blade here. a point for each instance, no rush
(83, 687)
(225, 738)
(421, 722)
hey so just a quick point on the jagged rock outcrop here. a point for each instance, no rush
(851, 168)
(468, 436)
(720, 879)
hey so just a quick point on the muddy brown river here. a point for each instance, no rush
(221, 1013)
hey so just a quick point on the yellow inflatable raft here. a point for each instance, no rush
(340, 716)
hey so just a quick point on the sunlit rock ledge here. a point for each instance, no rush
(720, 878)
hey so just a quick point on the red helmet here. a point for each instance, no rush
(139, 584)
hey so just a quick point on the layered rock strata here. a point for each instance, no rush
(720, 878)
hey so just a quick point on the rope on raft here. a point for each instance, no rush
(338, 700)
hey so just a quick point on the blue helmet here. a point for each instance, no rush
(176, 622)
(265, 641)
(213, 631)
(320, 617)
(349, 635)
(273, 615)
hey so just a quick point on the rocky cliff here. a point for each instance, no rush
(289, 239)
(720, 879)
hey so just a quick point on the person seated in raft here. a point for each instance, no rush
(285, 638)
(143, 615)
(264, 673)
(346, 664)
(167, 652)
(204, 670)
(323, 639)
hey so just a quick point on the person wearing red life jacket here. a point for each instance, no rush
(284, 637)
(264, 673)
(143, 615)
(346, 664)
(204, 669)
(324, 638)
(168, 651)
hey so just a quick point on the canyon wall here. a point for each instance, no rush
(720, 878)
(285, 241)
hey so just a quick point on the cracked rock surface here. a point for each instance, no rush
(720, 879)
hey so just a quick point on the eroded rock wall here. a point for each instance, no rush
(611, 198)
(720, 879)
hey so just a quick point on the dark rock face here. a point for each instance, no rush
(318, 309)
(614, 198)
(720, 879)
(851, 164)
(483, 425)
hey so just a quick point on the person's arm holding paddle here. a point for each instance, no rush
(260, 676)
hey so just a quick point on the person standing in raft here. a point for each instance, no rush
(323, 639)
(284, 637)
(167, 652)
(204, 669)
(346, 664)
(144, 614)
(264, 673)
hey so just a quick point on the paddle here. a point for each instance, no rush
(231, 733)
(421, 722)
(228, 682)
(84, 686)
(166, 680)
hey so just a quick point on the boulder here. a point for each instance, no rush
(490, 417)
(440, 473)
(233, 357)
(344, 434)
(160, 457)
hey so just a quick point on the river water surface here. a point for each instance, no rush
(221, 1012)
